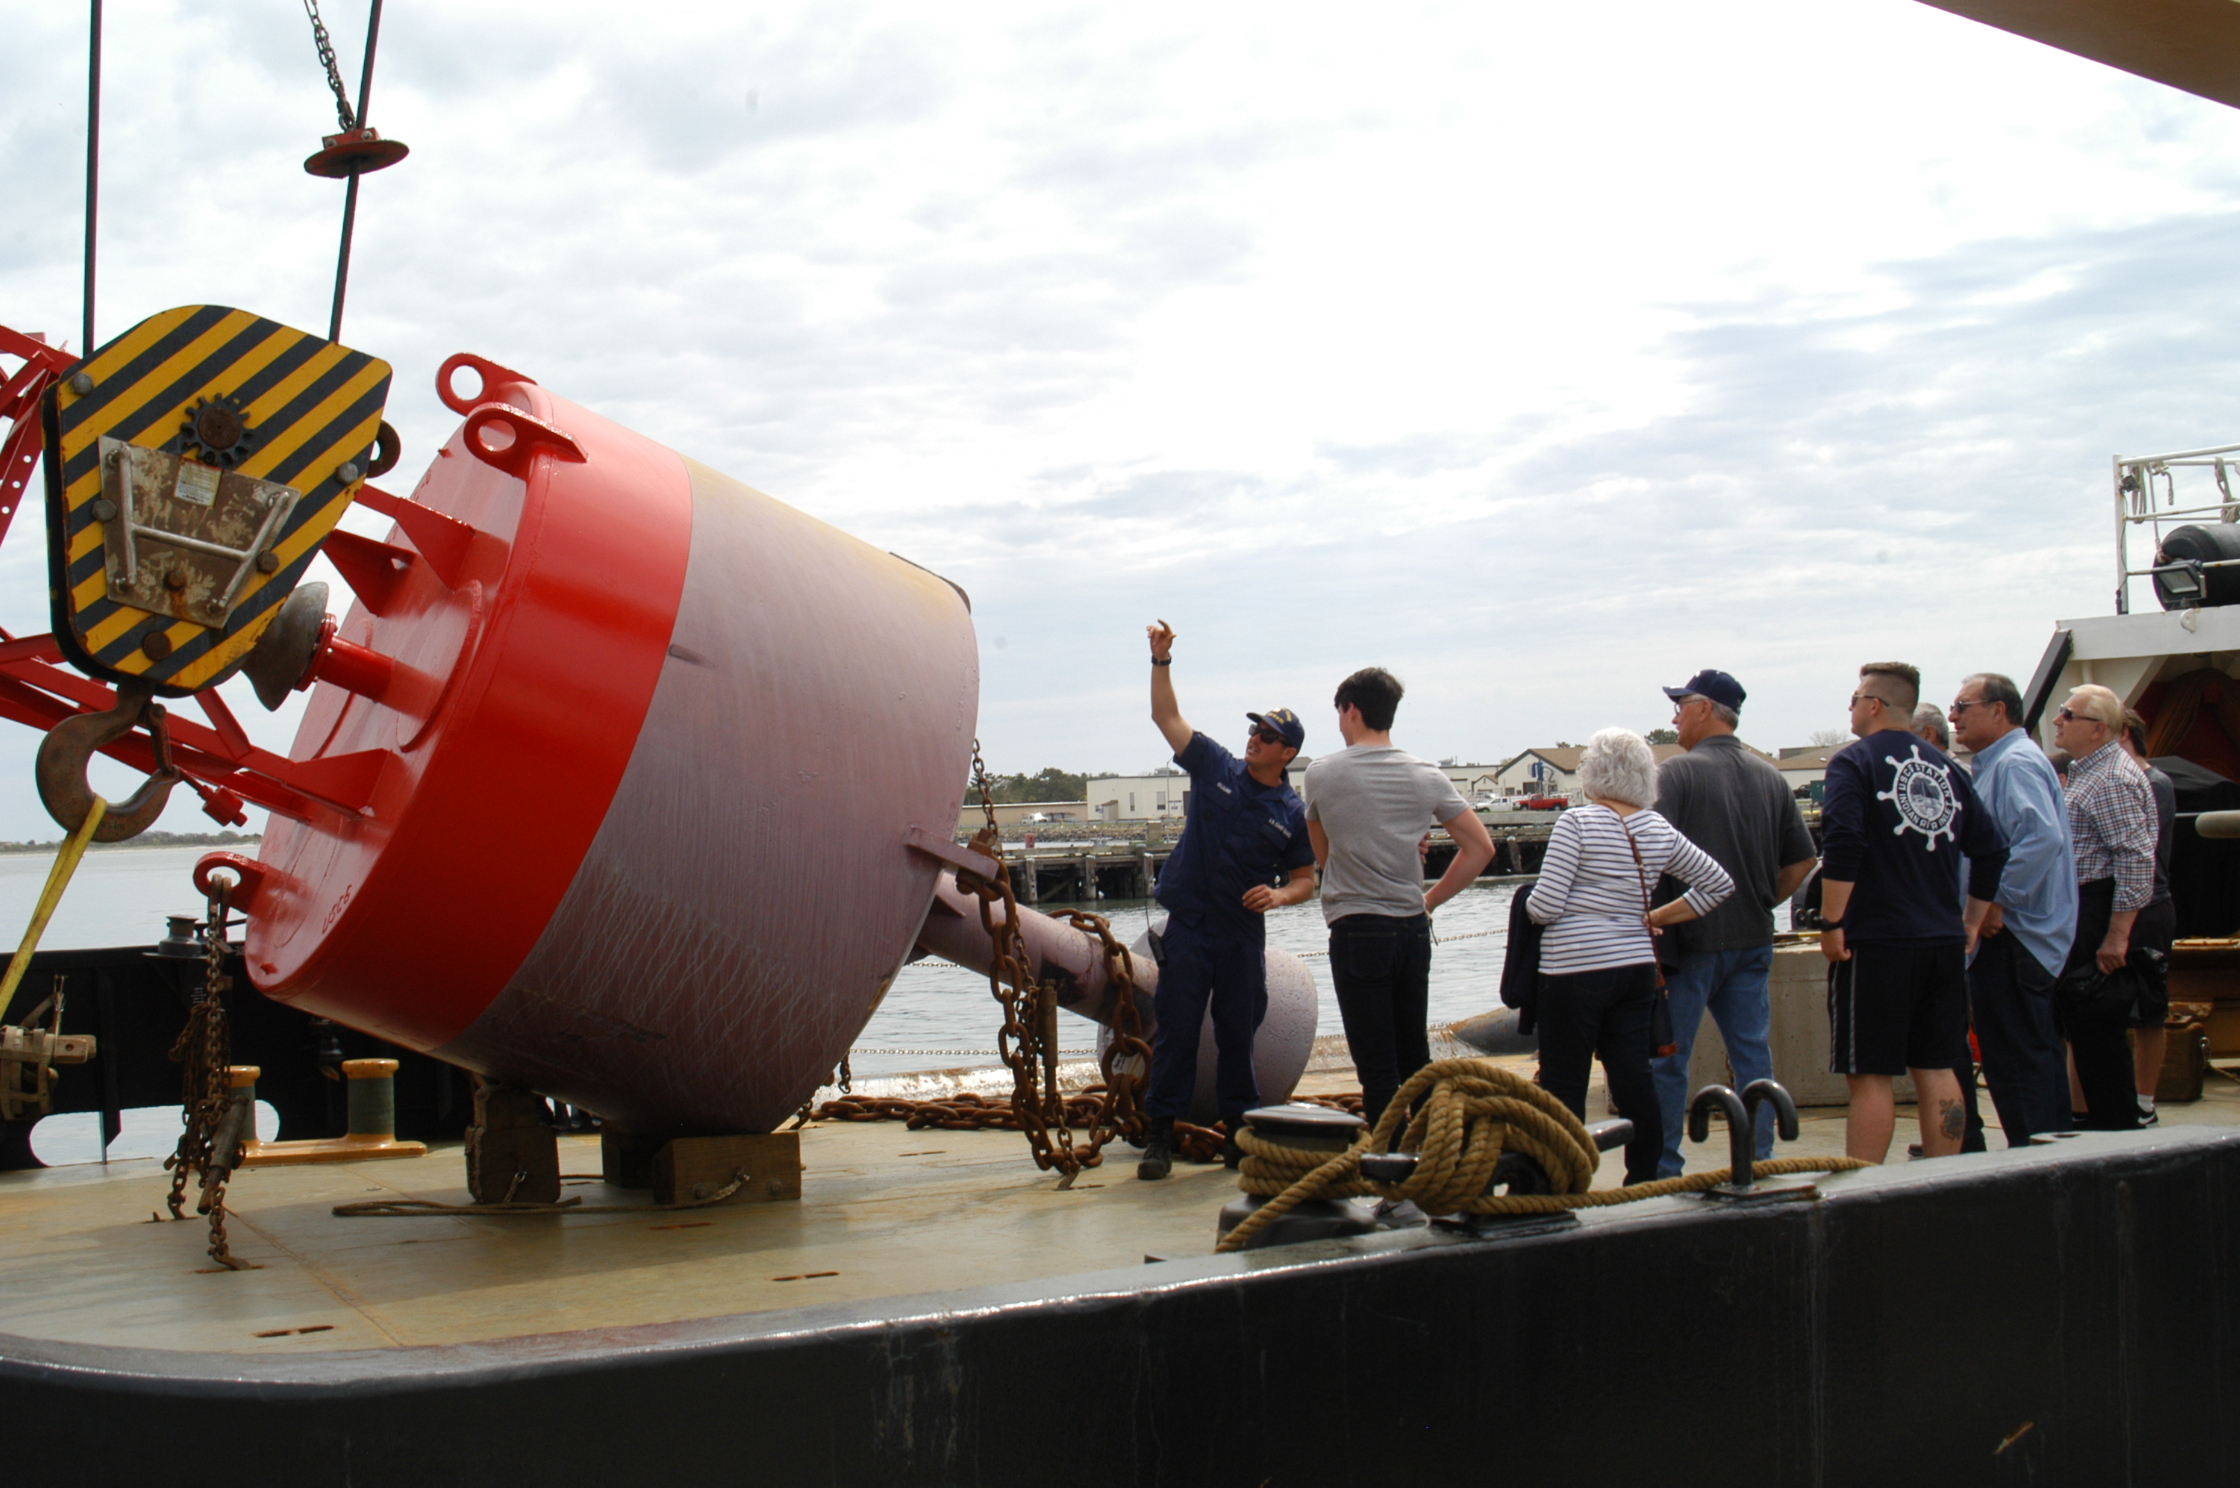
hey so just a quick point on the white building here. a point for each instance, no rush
(1163, 795)
(1159, 796)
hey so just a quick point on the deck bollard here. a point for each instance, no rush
(373, 1097)
(1317, 1131)
(372, 1122)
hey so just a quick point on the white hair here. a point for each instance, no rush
(1618, 766)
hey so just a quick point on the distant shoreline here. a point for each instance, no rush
(145, 840)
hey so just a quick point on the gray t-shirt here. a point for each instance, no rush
(1736, 807)
(1375, 803)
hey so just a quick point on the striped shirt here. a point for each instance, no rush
(2112, 821)
(1589, 893)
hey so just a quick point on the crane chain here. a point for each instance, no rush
(325, 44)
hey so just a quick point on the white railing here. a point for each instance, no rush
(2137, 479)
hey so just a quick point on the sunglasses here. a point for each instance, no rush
(2071, 715)
(1267, 736)
(1964, 704)
(1867, 697)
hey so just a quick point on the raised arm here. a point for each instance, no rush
(1165, 711)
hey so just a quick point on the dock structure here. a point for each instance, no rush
(1083, 862)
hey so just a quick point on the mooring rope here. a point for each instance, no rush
(1467, 1113)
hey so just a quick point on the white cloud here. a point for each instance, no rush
(1543, 356)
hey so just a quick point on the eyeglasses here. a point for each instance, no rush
(1964, 704)
(1267, 736)
(2071, 715)
(1867, 697)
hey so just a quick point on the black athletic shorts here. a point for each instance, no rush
(1892, 1008)
(2154, 930)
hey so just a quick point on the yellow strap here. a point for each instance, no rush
(58, 879)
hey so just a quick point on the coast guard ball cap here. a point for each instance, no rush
(1717, 686)
(1284, 722)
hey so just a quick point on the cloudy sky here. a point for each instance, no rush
(1541, 354)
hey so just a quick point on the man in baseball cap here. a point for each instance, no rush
(1732, 803)
(1244, 851)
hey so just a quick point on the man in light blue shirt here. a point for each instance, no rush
(2025, 938)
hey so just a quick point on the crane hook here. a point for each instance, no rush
(70, 746)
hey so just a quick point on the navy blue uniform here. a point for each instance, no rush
(1236, 833)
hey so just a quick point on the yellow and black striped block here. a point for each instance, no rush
(310, 407)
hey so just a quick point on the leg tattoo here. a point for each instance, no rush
(1952, 1117)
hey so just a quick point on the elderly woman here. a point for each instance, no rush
(1598, 959)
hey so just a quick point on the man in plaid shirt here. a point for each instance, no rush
(2112, 822)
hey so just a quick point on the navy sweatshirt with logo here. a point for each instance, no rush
(1897, 819)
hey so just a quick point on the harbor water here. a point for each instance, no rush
(121, 895)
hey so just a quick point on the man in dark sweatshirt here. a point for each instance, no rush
(1897, 820)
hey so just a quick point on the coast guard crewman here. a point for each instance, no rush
(1244, 850)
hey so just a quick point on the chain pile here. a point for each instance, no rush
(203, 1052)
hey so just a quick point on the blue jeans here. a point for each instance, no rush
(1732, 984)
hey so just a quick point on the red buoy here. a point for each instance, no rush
(639, 748)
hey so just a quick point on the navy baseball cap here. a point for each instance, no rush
(1284, 722)
(1717, 686)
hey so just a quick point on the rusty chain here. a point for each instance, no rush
(1027, 1040)
(203, 1051)
(1085, 1108)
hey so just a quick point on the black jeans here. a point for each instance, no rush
(1380, 966)
(2101, 1044)
(2011, 997)
(1606, 1014)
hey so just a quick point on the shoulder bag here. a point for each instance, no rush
(1660, 1021)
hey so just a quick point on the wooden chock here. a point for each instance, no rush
(689, 1169)
(512, 1156)
(626, 1157)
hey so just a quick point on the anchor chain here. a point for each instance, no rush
(203, 1051)
(1027, 1040)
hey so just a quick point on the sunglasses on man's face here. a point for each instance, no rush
(1267, 736)
(2071, 715)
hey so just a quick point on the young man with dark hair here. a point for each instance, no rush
(1369, 808)
(1374, 693)
(1243, 852)
(1892, 926)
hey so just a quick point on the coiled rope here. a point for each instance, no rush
(1467, 1113)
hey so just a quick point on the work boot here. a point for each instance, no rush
(1158, 1151)
(1232, 1154)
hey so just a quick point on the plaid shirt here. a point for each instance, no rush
(2112, 819)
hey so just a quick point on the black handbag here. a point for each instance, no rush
(1520, 964)
(1661, 1036)
(2089, 995)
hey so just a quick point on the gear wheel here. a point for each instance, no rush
(219, 427)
